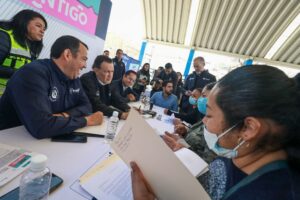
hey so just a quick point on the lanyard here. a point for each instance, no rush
(276, 165)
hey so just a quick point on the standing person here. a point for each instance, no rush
(252, 124)
(119, 66)
(46, 95)
(198, 79)
(21, 40)
(156, 73)
(178, 92)
(143, 79)
(106, 53)
(168, 74)
(97, 86)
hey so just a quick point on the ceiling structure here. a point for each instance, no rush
(244, 28)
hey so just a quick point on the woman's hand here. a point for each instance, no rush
(171, 141)
(140, 187)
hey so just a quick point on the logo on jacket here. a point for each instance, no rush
(53, 96)
(73, 91)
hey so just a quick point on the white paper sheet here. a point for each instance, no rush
(192, 161)
(109, 179)
(168, 177)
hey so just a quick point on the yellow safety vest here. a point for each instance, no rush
(17, 57)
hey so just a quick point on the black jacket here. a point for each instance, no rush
(36, 92)
(195, 81)
(192, 117)
(118, 92)
(100, 95)
(119, 69)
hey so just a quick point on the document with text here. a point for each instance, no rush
(167, 175)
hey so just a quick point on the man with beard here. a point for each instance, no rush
(165, 98)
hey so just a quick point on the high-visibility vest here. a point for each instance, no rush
(17, 57)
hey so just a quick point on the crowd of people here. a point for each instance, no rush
(245, 125)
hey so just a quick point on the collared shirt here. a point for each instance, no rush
(36, 92)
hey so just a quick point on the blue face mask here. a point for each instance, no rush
(212, 142)
(201, 104)
(192, 100)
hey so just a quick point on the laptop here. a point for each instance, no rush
(13, 161)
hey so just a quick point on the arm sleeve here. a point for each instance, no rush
(174, 104)
(5, 72)
(116, 93)
(33, 107)
(90, 89)
(83, 108)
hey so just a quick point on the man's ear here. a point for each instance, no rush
(67, 54)
(252, 128)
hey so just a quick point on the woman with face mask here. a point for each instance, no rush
(252, 123)
(193, 138)
(21, 40)
(194, 115)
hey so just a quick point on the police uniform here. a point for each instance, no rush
(12, 56)
(36, 92)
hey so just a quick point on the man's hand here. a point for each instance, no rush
(131, 97)
(165, 111)
(62, 114)
(140, 187)
(94, 119)
(124, 115)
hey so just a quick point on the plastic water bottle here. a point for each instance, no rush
(147, 97)
(112, 126)
(35, 182)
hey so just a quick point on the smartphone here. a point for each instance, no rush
(70, 138)
(56, 181)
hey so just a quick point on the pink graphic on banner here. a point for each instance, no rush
(69, 11)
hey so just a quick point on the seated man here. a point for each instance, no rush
(46, 95)
(97, 85)
(122, 89)
(165, 98)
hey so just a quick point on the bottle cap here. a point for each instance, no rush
(115, 113)
(38, 162)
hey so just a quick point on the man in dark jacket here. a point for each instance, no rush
(198, 79)
(168, 74)
(119, 66)
(97, 86)
(122, 89)
(46, 95)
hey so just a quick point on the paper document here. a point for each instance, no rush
(196, 165)
(13, 161)
(168, 177)
(109, 179)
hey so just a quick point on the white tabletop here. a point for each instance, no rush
(67, 160)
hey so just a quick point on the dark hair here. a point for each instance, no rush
(130, 72)
(199, 90)
(119, 50)
(209, 86)
(143, 71)
(18, 24)
(265, 92)
(105, 51)
(168, 65)
(99, 60)
(63, 43)
(165, 83)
